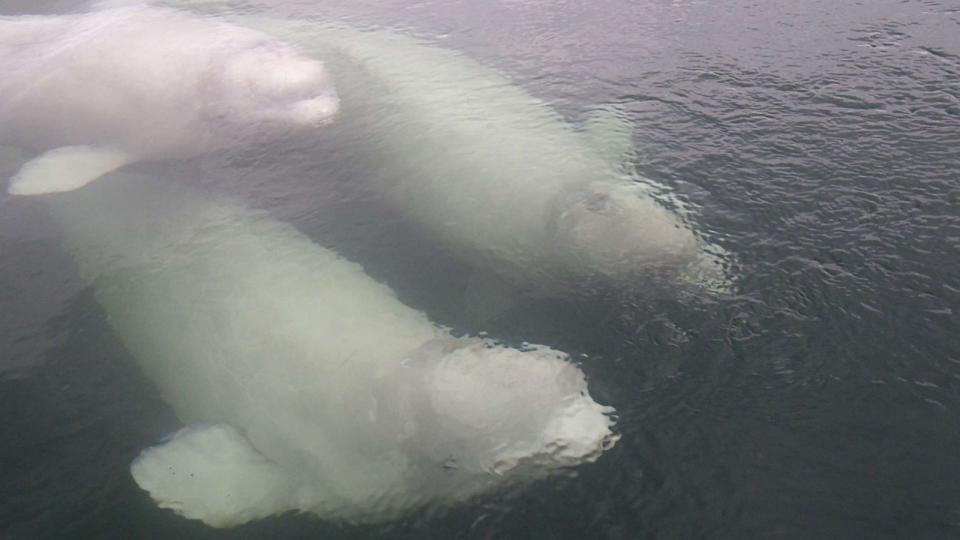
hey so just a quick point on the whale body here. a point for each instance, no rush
(497, 174)
(95, 91)
(304, 384)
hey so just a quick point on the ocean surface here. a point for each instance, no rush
(816, 142)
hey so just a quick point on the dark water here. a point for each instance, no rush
(820, 144)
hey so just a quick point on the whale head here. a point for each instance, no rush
(618, 231)
(491, 409)
(273, 85)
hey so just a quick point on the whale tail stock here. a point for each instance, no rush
(65, 169)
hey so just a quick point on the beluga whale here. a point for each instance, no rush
(496, 174)
(89, 93)
(303, 383)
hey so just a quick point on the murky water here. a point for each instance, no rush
(816, 143)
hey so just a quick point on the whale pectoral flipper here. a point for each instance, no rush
(213, 474)
(66, 169)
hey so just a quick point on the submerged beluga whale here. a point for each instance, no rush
(498, 175)
(92, 92)
(304, 383)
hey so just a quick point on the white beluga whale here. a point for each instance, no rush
(305, 385)
(497, 174)
(92, 92)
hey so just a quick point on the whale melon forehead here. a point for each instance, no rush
(280, 83)
(496, 408)
(277, 71)
(479, 385)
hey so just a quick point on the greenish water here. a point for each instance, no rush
(817, 143)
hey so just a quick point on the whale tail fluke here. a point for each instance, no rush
(213, 474)
(66, 169)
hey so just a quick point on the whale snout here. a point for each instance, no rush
(306, 83)
(305, 89)
(622, 231)
(506, 410)
(276, 84)
(315, 111)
